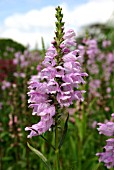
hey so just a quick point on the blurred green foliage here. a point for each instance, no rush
(9, 46)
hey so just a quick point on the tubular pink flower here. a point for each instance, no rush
(56, 84)
(106, 128)
(69, 34)
(108, 155)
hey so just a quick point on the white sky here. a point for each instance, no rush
(29, 26)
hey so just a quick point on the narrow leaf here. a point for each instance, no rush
(42, 157)
(96, 167)
(64, 132)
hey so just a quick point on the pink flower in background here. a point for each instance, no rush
(94, 124)
(106, 128)
(12, 119)
(106, 43)
(1, 104)
(108, 90)
(23, 75)
(108, 155)
(5, 84)
(26, 58)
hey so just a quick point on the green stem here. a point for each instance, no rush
(47, 141)
(56, 148)
(79, 155)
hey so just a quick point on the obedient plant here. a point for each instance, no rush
(57, 85)
(107, 156)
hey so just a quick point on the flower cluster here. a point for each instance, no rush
(108, 155)
(95, 61)
(89, 50)
(5, 84)
(106, 129)
(25, 59)
(56, 86)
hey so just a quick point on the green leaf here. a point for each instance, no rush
(64, 132)
(96, 167)
(7, 158)
(42, 157)
(91, 104)
(10, 168)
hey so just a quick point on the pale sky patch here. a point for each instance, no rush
(29, 27)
